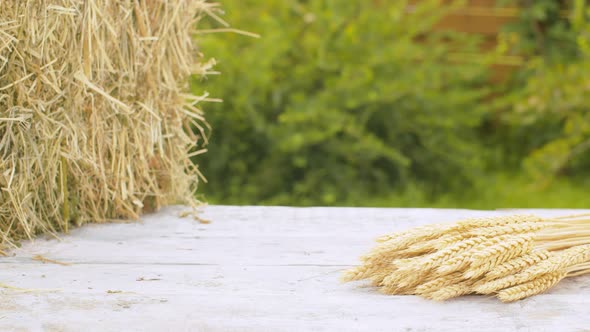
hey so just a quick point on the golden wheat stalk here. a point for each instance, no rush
(511, 256)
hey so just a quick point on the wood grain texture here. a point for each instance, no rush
(251, 269)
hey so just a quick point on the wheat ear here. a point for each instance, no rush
(556, 262)
(511, 229)
(466, 258)
(359, 272)
(438, 283)
(497, 221)
(533, 287)
(451, 291)
(497, 254)
(517, 264)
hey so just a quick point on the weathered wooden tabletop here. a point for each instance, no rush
(251, 269)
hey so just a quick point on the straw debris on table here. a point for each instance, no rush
(513, 257)
(44, 259)
(95, 115)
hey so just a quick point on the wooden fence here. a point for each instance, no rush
(485, 18)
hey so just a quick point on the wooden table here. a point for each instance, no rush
(251, 269)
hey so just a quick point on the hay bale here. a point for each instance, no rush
(94, 112)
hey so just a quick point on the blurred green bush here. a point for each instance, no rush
(549, 102)
(339, 101)
(362, 103)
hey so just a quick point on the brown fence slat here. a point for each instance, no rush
(486, 25)
(484, 18)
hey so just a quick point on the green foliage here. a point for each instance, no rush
(551, 107)
(543, 29)
(496, 191)
(340, 101)
(361, 103)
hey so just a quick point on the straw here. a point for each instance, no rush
(95, 119)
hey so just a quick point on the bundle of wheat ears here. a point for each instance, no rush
(512, 257)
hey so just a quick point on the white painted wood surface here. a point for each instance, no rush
(251, 269)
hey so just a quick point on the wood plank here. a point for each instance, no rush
(251, 269)
(479, 24)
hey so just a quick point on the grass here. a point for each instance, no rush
(499, 191)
